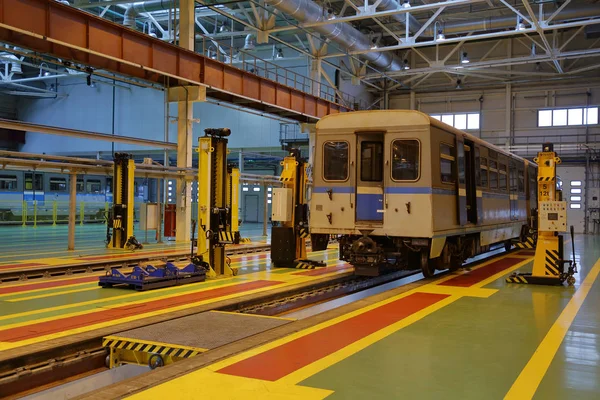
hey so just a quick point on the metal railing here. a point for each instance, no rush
(570, 144)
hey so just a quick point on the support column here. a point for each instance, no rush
(185, 96)
(315, 75)
(508, 116)
(72, 210)
(187, 38)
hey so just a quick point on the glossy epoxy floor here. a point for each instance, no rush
(472, 336)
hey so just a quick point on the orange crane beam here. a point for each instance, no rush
(52, 28)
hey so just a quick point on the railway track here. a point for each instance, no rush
(103, 265)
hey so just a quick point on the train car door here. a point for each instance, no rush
(369, 178)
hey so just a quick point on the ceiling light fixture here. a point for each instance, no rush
(520, 25)
(279, 53)
(406, 66)
(439, 32)
(406, 4)
(463, 58)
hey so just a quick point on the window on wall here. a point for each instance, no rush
(463, 121)
(568, 117)
(335, 161)
(405, 160)
(576, 195)
(447, 161)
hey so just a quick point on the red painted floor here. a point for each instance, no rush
(47, 285)
(477, 275)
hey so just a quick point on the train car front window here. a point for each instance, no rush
(371, 165)
(405, 160)
(335, 161)
(8, 182)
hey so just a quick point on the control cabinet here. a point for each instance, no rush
(282, 206)
(553, 216)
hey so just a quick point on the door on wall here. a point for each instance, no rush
(251, 208)
(369, 178)
(574, 192)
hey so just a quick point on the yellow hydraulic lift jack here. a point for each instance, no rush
(218, 191)
(549, 262)
(121, 218)
(290, 208)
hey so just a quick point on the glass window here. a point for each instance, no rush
(472, 121)
(533, 185)
(94, 186)
(502, 177)
(575, 198)
(80, 186)
(447, 163)
(591, 116)
(575, 183)
(576, 116)
(108, 185)
(371, 161)
(545, 118)
(448, 119)
(8, 182)
(575, 205)
(460, 121)
(521, 180)
(559, 118)
(405, 160)
(493, 174)
(58, 184)
(575, 191)
(477, 170)
(484, 173)
(39, 184)
(438, 117)
(335, 161)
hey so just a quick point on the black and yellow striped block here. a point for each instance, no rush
(545, 178)
(245, 240)
(285, 179)
(303, 265)
(516, 279)
(527, 244)
(116, 223)
(303, 232)
(551, 263)
(158, 348)
(225, 237)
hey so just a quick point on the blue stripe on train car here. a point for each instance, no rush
(367, 206)
(39, 197)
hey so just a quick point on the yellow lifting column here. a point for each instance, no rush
(121, 219)
(548, 264)
(215, 201)
(290, 209)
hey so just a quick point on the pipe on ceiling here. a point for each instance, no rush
(391, 5)
(343, 33)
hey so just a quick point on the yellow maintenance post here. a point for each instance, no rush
(549, 262)
(121, 218)
(290, 209)
(217, 202)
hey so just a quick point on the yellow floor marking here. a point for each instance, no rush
(252, 315)
(531, 376)
(221, 386)
(457, 290)
(41, 296)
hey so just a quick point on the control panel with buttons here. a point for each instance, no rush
(553, 216)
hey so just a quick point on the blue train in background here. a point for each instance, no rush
(47, 195)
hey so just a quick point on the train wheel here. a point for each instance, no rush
(427, 265)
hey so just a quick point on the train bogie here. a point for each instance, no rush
(403, 190)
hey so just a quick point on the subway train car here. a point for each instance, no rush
(403, 190)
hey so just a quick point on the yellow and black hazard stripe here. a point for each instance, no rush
(116, 223)
(527, 244)
(165, 350)
(516, 279)
(304, 265)
(245, 240)
(286, 178)
(303, 232)
(225, 237)
(545, 178)
(551, 263)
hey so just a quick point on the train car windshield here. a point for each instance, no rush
(335, 161)
(405, 160)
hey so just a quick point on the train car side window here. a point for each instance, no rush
(484, 173)
(94, 186)
(335, 161)
(520, 179)
(477, 170)
(502, 177)
(8, 182)
(447, 161)
(80, 186)
(405, 160)
(58, 185)
(371, 165)
(493, 174)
